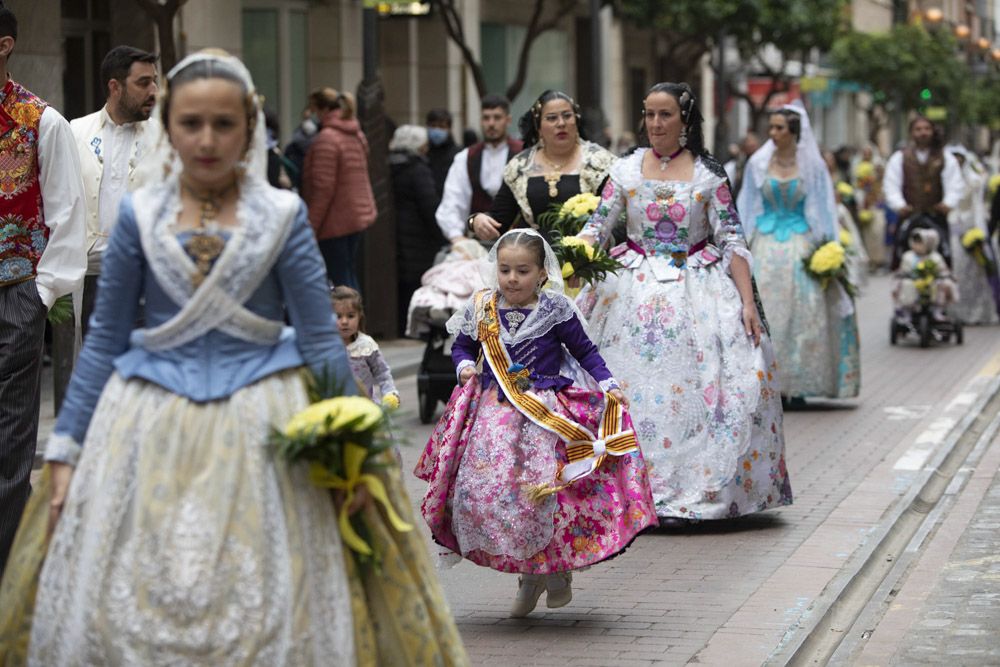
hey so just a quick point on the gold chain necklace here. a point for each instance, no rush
(206, 244)
(552, 177)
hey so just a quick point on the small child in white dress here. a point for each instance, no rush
(369, 366)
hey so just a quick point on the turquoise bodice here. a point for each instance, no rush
(784, 208)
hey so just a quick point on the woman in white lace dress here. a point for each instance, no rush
(679, 326)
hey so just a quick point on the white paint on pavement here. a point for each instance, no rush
(901, 412)
(925, 444)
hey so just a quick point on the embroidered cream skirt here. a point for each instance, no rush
(185, 541)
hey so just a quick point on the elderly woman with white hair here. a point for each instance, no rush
(418, 237)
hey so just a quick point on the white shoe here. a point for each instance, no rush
(529, 589)
(560, 589)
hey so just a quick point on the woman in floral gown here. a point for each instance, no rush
(788, 207)
(679, 326)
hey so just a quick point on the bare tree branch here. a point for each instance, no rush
(536, 27)
(453, 26)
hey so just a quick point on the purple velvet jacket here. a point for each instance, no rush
(543, 355)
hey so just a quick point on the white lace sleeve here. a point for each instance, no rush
(464, 321)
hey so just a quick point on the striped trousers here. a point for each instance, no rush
(22, 330)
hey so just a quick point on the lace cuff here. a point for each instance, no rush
(462, 365)
(609, 384)
(733, 249)
(63, 448)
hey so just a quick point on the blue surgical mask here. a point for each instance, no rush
(437, 135)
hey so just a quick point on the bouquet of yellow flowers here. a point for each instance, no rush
(973, 241)
(826, 263)
(865, 217)
(993, 184)
(864, 174)
(576, 256)
(341, 439)
(925, 273)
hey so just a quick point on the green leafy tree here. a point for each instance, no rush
(908, 68)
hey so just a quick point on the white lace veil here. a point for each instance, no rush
(161, 161)
(821, 207)
(488, 265)
(554, 306)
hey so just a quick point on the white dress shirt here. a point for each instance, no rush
(63, 263)
(118, 141)
(456, 201)
(951, 179)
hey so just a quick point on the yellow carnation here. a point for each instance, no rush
(865, 217)
(845, 238)
(844, 189)
(573, 242)
(341, 411)
(972, 237)
(994, 183)
(829, 257)
(580, 205)
(567, 270)
(864, 170)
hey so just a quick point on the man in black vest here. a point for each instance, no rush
(477, 172)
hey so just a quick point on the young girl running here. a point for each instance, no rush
(367, 363)
(527, 471)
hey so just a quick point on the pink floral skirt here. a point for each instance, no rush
(484, 456)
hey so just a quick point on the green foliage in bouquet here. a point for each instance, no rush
(561, 225)
(341, 438)
(62, 310)
(826, 263)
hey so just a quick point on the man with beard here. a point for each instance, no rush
(111, 144)
(477, 172)
(922, 180)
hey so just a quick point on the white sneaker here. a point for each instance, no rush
(529, 589)
(560, 589)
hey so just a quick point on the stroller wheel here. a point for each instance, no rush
(426, 404)
(924, 329)
(959, 334)
(893, 331)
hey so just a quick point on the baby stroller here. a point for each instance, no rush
(922, 292)
(921, 220)
(445, 288)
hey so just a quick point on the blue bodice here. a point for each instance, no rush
(784, 208)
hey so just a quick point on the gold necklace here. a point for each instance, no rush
(552, 177)
(205, 245)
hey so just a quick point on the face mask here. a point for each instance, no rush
(437, 135)
(310, 126)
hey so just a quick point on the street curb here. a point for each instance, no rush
(875, 609)
(793, 647)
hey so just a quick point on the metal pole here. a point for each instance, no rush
(721, 125)
(596, 61)
(370, 43)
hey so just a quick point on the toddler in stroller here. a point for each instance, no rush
(445, 287)
(923, 290)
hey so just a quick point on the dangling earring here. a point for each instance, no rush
(683, 141)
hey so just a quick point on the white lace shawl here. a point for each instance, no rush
(553, 308)
(264, 216)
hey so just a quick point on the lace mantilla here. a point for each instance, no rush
(265, 220)
(551, 310)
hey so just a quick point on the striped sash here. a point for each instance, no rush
(585, 450)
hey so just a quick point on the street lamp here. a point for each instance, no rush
(962, 32)
(934, 16)
(983, 44)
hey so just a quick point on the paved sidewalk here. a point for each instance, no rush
(947, 610)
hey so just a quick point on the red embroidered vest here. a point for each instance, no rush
(23, 234)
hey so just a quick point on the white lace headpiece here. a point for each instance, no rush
(488, 265)
(162, 161)
(821, 206)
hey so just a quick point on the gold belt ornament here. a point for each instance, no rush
(585, 450)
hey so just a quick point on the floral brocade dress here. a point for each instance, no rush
(485, 455)
(798, 307)
(704, 399)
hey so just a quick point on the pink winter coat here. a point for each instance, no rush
(335, 183)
